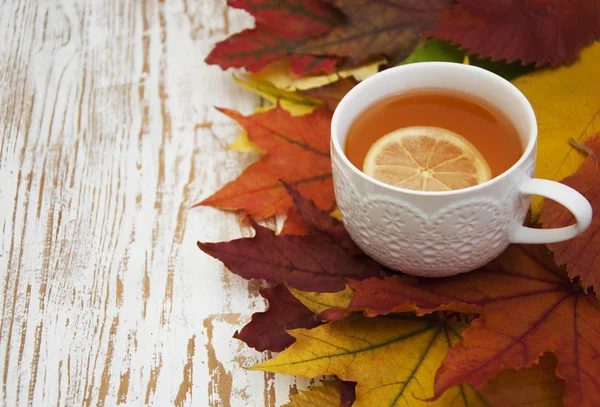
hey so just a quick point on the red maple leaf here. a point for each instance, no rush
(541, 31)
(311, 263)
(281, 27)
(268, 330)
(581, 254)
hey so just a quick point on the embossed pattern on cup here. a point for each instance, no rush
(457, 238)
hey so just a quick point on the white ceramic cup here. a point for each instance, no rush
(436, 234)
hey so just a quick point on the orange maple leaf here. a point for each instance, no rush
(580, 255)
(297, 151)
(529, 306)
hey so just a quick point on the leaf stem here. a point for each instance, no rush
(583, 148)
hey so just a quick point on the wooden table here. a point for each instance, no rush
(108, 138)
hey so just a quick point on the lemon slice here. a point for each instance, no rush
(426, 159)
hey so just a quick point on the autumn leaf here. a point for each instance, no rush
(296, 150)
(391, 358)
(309, 263)
(566, 101)
(267, 330)
(317, 219)
(332, 393)
(394, 359)
(580, 254)
(278, 74)
(529, 306)
(377, 27)
(320, 302)
(294, 102)
(536, 386)
(393, 294)
(541, 31)
(333, 93)
(281, 27)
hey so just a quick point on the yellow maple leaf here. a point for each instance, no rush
(327, 395)
(278, 74)
(394, 359)
(319, 302)
(295, 103)
(566, 101)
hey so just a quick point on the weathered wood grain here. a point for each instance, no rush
(108, 136)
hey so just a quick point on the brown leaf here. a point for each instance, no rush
(310, 263)
(581, 254)
(333, 93)
(315, 218)
(541, 31)
(377, 27)
(267, 330)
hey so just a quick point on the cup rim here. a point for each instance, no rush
(348, 99)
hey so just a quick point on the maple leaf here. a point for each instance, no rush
(333, 93)
(529, 307)
(377, 27)
(580, 254)
(310, 263)
(394, 294)
(297, 150)
(393, 360)
(267, 330)
(541, 31)
(318, 303)
(332, 393)
(537, 386)
(294, 102)
(566, 101)
(281, 27)
(317, 219)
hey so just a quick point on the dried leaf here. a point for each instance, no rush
(281, 27)
(566, 101)
(529, 307)
(392, 295)
(580, 254)
(377, 27)
(268, 330)
(295, 103)
(278, 75)
(310, 263)
(534, 386)
(393, 360)
(297, 150)
(320, 302)
(541, 31)
(330, 394)
(333, 93)
(317, 219)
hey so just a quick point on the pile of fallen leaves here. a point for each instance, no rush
(524, 329)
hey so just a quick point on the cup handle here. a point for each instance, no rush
(564, 195)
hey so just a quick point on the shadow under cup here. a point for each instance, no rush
(435, 234)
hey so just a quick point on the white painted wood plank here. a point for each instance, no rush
(108, 138)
